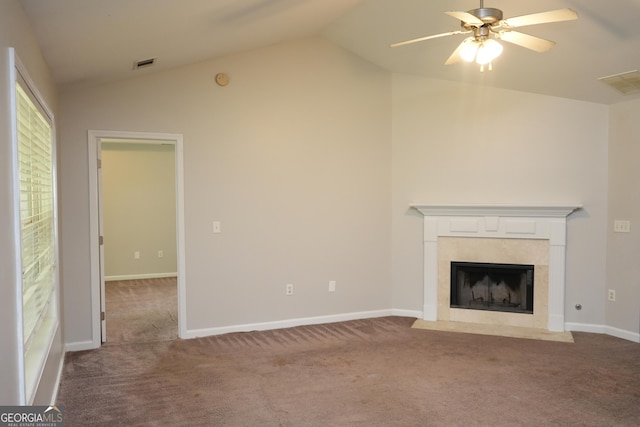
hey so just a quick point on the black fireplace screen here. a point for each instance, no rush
(496, 287)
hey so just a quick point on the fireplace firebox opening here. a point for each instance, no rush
(489, 286)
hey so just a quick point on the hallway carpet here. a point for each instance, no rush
(141, 310)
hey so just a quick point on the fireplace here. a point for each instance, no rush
(533, 235)
(491, 286)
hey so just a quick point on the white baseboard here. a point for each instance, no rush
(406, 313)
(603, 329)
(140, 276)
(289, 323)
(54, 396)
(584, 327)
(621, 333)
(79, 346)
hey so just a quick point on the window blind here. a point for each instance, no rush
(35, 171)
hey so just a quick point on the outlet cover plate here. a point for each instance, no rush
(621, 226)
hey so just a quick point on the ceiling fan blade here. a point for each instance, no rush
(525, 40)
(540, 18)
(435, 36)
(466, 17)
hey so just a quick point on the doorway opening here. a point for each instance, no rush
(140, 251)
(137, 220)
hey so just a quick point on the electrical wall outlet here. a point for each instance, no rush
(332, 286)
(136, 255)
(611, 295)
(289, 289)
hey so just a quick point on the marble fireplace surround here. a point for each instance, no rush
(511, 234)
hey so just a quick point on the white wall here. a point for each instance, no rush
(454, 143)
(139, 210)
(623, 268)
(298, 158)
(292, 157)
(15, 31)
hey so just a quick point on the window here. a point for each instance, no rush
(38, 248)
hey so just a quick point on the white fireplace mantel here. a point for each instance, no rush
(504, 222)
(541, 211)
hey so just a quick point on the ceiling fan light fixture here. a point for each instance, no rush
(486, 24)
(482, 51)
(488, 51)
(469, 49)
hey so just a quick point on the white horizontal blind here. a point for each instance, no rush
(35, 169)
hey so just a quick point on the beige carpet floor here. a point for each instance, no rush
(373, 372)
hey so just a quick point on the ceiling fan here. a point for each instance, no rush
(486, 26)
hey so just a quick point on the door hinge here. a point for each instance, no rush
(101, 240)
(102, 316)
(99, 163)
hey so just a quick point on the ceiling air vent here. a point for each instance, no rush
(625, 83)
(145, 63)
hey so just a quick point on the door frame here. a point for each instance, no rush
(94, 137)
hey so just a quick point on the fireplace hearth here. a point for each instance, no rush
(491, 286)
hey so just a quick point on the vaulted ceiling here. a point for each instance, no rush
(93, 41)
